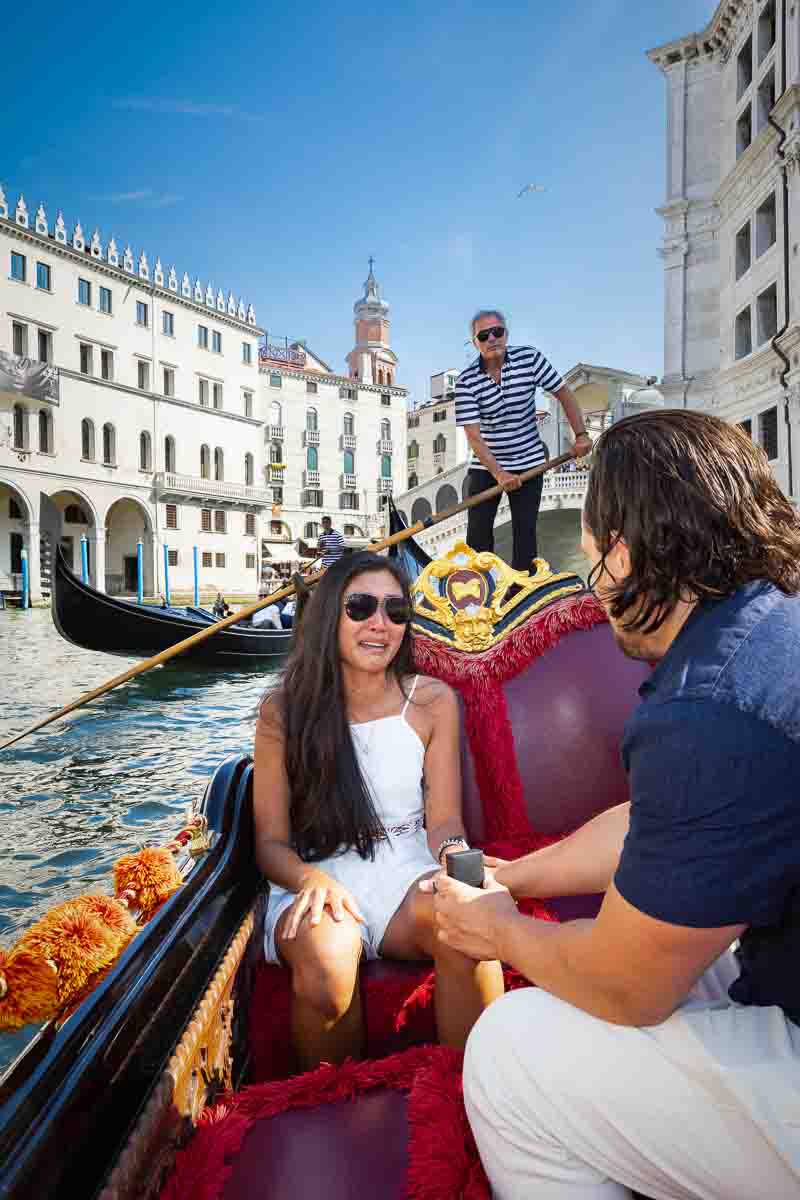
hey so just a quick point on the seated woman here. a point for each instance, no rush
(357, 797)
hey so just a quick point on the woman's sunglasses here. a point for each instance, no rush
(360, 606)
(498, 331)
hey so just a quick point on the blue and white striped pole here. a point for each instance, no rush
(26, 583)
(84, 558)
(139, 572)
(196, 579)
(166, 574)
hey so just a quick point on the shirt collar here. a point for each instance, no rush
(482, 364)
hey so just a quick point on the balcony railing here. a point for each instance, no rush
(275, 433)
(311, 479)
(347, 441)
(348, 483)
(310, 437)
(216, 490)
(21, 376)
(385, 446)
(275, 474)
(385, 486)
(567, 481)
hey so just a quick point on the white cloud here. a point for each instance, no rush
(188, 108)
(144, 196)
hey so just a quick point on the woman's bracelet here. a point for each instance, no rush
(451, 841)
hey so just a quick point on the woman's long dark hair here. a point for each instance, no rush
(330, 804)
(695, 501)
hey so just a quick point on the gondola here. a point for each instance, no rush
(96, 621)
(171, 1078)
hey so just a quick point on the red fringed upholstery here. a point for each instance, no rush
(443, 1158)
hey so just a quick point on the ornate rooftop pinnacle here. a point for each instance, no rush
(370, 304)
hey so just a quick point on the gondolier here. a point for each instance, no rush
(496, 405)
(330, 544)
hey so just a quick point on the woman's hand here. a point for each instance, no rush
(317, 892)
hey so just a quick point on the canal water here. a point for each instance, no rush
(122, 771)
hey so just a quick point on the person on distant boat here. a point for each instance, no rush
(496, 405)
(220, 608)
(287, 613)
(660, 1051)
(357, 796)
(269, 617)
(330, 544)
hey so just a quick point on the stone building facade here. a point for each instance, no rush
(732, 224)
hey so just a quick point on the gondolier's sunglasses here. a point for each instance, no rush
(360, 606)
(498, 331)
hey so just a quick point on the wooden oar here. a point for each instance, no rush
(281, 594)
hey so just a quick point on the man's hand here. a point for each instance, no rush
(470, 919)
(508, 481)
(581, 446)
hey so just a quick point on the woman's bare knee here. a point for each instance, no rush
(324, 964)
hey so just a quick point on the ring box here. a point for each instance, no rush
(466, 866)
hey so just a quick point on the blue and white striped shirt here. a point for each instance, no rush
(506, 412)
(332, 545)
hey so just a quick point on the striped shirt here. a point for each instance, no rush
(332, 547)
(506, 412)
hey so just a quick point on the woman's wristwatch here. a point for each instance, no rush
(447, 843)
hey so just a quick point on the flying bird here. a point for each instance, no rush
(531, 187)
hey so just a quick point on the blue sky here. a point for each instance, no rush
(271, 150)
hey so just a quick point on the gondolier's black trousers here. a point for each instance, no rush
(524, 515)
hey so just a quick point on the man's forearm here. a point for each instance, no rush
(580, 865)
(572, 410)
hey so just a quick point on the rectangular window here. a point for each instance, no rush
(202, 394)
(86, 359)
(248, 404)
(142, 314)
(172, 516)
(743, 339)
(219, 520)
(441, 415)
(208, 558)
(744, 132)
(386, 399)
(247, 352)
(169, 381)
(250, 562)
(19, 339)
(105, 300)
(744, 68)
(743, 251)
(765, 99)
(106, 364)
(168, 324)
(216, 341)
(172, 555)
(747, 427)
(143, 375)
(84, 292)
(311, 387)
(45, 346)
(768, 433)
(250, 524)
(18, 266)
(346, 393)
(202, 337)
(349, 500)
(277, 495)
(275, 380)
(766, 226)
(766, 30)
(767, 314)
(43, 277)
(205, 521)
(220, 560)
(217, 395)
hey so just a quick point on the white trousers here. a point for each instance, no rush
(705, 1106)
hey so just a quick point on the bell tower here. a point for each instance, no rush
(372, 360)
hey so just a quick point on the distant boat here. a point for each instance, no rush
(95, 621)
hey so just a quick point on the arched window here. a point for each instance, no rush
(275, 452)
(349, 463)
(412, 481)
(386, 466)
(87, 440)
(312, 459)
(219, 464)
(109, 445)
(169, 453)
(312, 420)
(439, 444)
(20, 428)
(275, 413)
(145, 451)
(74, 515)
(413, 449)
(311, 530)
(386, 431)
(349, 425)
(421, 510)
(380, 375)
(45, 431)
(205, 462)
(446, 497)
(248, 469)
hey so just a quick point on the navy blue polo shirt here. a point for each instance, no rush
(713, 758)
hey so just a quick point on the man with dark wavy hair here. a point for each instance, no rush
(660, 1051)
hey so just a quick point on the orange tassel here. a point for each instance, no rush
(151, 876)
(28, 988)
